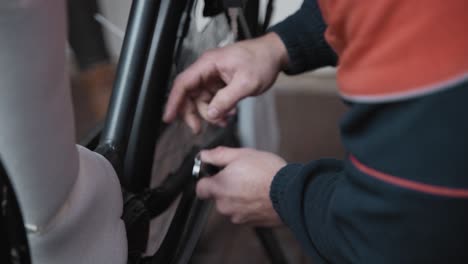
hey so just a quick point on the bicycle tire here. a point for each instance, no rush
(132, 132)
(177, 140)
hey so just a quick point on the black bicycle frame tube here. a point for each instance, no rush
(114, 137)
(147, 123)
(251, 12)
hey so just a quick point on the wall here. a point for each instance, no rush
(116, 12)
(283, 8)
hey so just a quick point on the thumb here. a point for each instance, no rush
(220, 156)
(206, 188)
(227, 98)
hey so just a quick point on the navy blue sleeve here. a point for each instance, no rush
(296, 191)
(401, 196)
(303, 35)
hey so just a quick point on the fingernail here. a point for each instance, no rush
(212, 113)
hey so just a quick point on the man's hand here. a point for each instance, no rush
(212, 86)
(241, 189)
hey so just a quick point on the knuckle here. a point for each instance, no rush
(219, 150)
(208, 55)
(237, 220)
(201, 189)
(255, 83)
(245, 151)
(224, 100)
(222, 208)
(179, 82)
(248, 79)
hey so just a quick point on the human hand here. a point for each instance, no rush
(212, 86)
(241, 189)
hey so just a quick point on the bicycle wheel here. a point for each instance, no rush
(162, 39)
(177, 141)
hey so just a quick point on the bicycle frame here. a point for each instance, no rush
(134, 118)
(132, 128)
(133, 124)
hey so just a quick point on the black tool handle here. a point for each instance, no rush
(209, 170)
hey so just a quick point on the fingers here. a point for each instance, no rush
(206, 188)
(191, 117)
(226, 99)
(220, 156)
(190, 80)
(202, 103)
(202, 84)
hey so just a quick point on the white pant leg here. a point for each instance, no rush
(70, 194)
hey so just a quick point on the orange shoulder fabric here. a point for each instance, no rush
(397, 49)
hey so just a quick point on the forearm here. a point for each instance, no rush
(348, 217)
(277, 48)
(289, 191)
(303, 37)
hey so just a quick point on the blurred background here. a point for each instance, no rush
(307, 109)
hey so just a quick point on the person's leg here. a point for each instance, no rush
(70, 197)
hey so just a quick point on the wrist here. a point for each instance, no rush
(277, 49)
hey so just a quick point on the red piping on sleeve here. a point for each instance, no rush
(408, 184)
